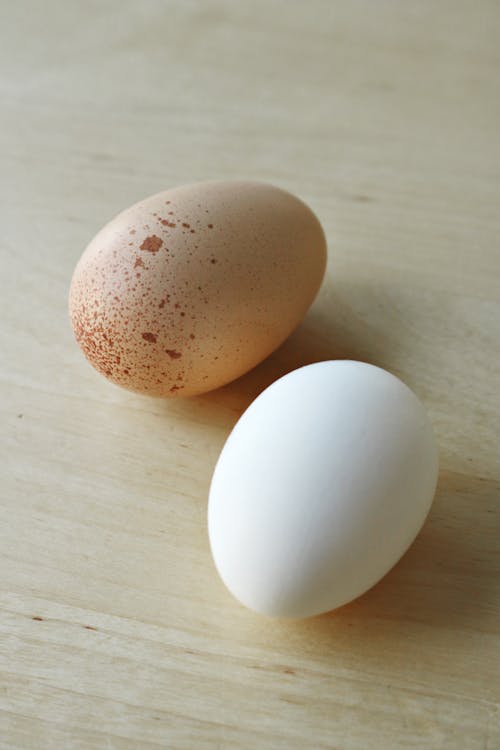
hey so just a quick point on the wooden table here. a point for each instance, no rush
(115, 630)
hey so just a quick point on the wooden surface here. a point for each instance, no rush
(115, 629)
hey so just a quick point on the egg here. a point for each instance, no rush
(192, 287)
(321, 487)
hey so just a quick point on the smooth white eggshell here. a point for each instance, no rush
(321, 487)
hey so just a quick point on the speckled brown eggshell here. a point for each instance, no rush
(192, 287)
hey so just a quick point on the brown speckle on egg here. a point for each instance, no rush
(152, 244)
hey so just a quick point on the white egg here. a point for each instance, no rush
(321, 487)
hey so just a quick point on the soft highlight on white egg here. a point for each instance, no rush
(321, 487)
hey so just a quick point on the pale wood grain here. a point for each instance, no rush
(115, 630)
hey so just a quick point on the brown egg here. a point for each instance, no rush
(192, 287)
